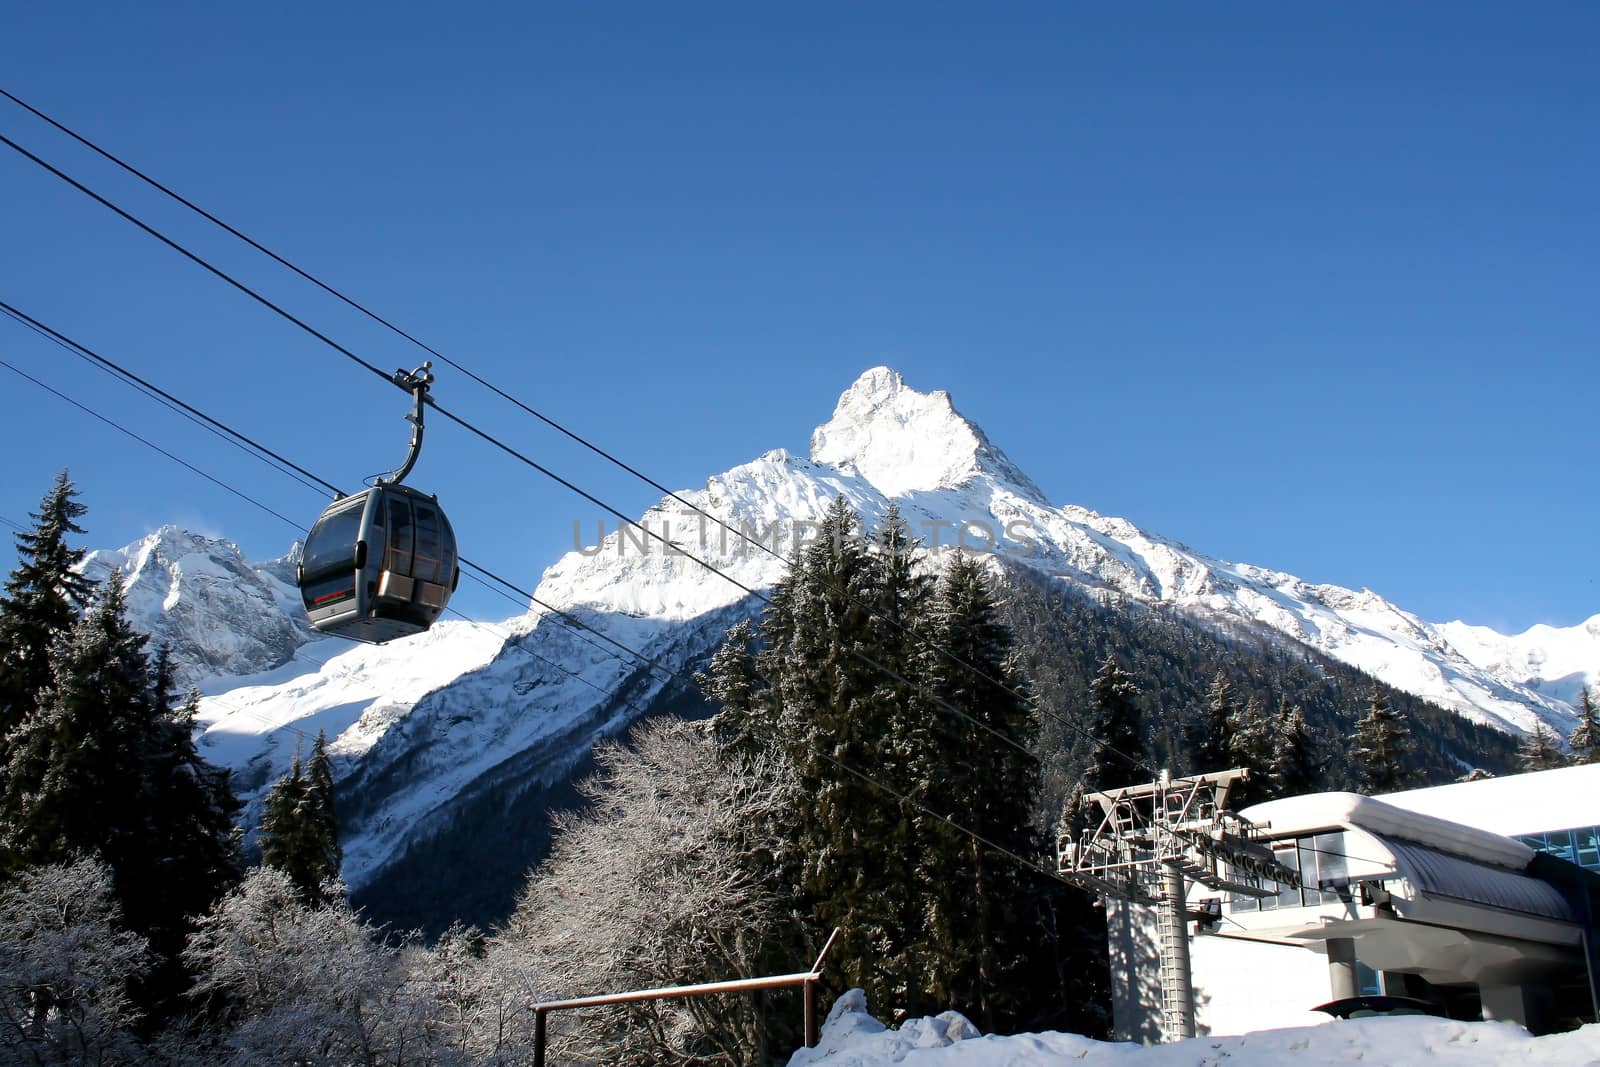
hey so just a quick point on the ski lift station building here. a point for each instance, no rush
(1481, 898)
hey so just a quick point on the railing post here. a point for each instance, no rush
(811, 991)
(811, 1014)
(538, 1037)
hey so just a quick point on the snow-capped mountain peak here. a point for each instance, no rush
(422, 726)
(1559, 662)
(219, 614)
(904, 441)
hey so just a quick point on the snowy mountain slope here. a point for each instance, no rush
(219, 614)
(418, 725)
(887, 441)
(422, 723)
(1556, 661)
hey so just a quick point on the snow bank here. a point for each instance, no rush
(852, 1038)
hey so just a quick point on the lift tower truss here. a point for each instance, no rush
(1151, 840)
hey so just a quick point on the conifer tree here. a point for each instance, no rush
(299, 829)
(105, 766)
(42, 600)
(1294, 769)
(190, 856)
(282, 837)
(733, 683)
(899, 593)
(1212, 748)
(977, 932)
(858, 671)
(78, 760)
(1382, 742)
(1540, 750)
(1117, 761)
(1585, 739)
(1250, 746)
(325, 812)
(830, 676)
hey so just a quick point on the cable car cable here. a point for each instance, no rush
(374, 316)
(217, 427)
(239, 440)
(219, 272)
(116, 425)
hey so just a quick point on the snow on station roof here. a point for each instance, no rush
(1294, 816)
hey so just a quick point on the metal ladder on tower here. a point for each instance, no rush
(1172, 932)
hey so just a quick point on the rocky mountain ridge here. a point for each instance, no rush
(421, 724)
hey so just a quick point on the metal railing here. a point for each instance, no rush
(805, 979)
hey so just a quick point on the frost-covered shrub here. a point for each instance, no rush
(306, 983)
(64, 968)
(646, 888)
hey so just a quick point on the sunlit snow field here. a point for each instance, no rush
(852, 1038)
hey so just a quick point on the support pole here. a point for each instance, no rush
(1177, 987)
(811, 1014)
(538, 1037)
(1342, 980)
(810, 990)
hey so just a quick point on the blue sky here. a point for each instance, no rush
(1308, 289)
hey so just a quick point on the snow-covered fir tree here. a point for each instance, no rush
(1118, 755)
(105, 765)
(898, 708)
(43, 598)
(1541, 750)
(300, 825)
(1250, 746)
(1294, 768)
(1211, 750)
(1381, 741)
(977, 933)
(77, 760)
(1584, 741)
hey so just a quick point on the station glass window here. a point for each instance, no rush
(1322, 864)
(1580, 845)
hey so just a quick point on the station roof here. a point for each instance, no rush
(1294, 816)
(1514, 803)
(1441, 874)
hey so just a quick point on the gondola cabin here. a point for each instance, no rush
(379, 565)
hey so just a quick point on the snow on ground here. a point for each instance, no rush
(852, 1038)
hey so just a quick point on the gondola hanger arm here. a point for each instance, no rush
(416, 383)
